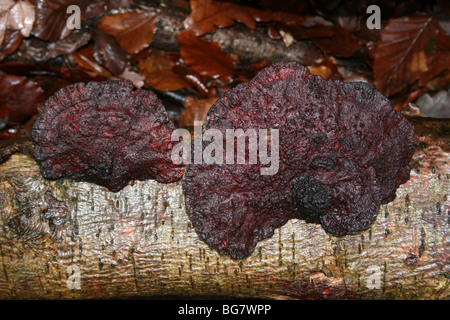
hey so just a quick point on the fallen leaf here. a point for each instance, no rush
(191, 77)
(136, 78)
(132, 30)
(158, 72)
(16, 16)
(11, 43)
(85, 58)
(207, 15)
(342, 44)
(195, 110)
(302, 33)
(51, 16)
(410, 49)
(20, 97)
(109, 53)
(206, 58)
(327, 69)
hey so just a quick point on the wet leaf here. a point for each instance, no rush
(132, 30)
(206, 58)
(410, 49)
(20, 98)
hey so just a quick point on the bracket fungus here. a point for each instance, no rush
(105, 133)
(343, 151)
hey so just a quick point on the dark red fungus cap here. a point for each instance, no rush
(343, 151)
(106, 133)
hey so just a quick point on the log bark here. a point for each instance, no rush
(63, 239)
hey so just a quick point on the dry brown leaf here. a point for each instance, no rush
(133, 30)
(410, 49)
(206, 58)
(158, 73)
(207, 15)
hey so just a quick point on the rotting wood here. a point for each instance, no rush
(140, 242)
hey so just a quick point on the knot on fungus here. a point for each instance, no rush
(343, 151)
(106, 133)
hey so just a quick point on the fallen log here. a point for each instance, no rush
(63, 239)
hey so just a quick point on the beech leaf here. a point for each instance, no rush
(206, 58)
(342, 44)
(19, 97)
(410, 49)
(51, 16)
(158, 72)
(195, 110)
(207, 15)
(11, 43)
(132, 30)
(109, 54)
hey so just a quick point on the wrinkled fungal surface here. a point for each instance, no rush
(106, 133)
(343, 151)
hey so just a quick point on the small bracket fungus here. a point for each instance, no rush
(343, 151)
(105, 133)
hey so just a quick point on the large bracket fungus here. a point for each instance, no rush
(105, 133)
(343, 151)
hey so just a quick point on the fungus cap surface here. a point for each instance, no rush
(106, 133)
(343, 151)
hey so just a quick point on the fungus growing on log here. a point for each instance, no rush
(105, 133)
(343, 151)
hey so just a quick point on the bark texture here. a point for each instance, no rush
(140, 242)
